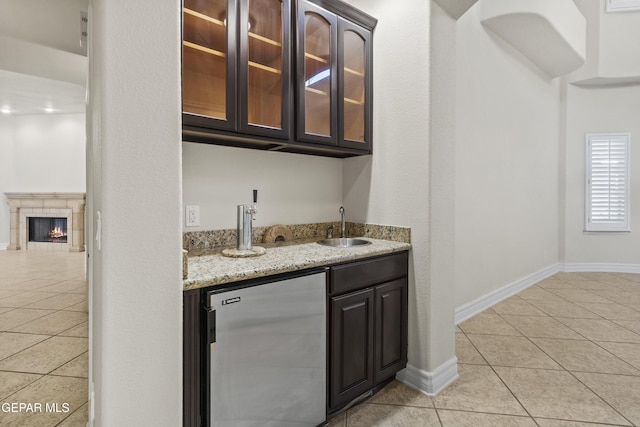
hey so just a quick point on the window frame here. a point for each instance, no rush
(622, 5)
(623, 225)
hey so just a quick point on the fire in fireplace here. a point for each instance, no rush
(48, 230)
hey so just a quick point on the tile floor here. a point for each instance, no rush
(43, 339)
(563, 353)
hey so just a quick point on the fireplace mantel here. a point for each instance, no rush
(25, 205)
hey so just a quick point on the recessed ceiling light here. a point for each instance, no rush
(5, 110)
(48, 109)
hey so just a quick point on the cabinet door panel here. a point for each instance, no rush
(264, 67)
(391, 328)
(351, 346)
(209, 63)
(355, 85)
(317, 74)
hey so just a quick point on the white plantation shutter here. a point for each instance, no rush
(607, 182)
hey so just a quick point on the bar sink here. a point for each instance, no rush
(344, 242)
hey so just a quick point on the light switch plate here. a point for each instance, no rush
(192, 216)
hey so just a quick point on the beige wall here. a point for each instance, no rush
(292, 188)
(506, 169)
(395, 185)
(592, 111)
(135, 167)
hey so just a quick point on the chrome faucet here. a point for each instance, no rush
(342, 225)
(245, 223)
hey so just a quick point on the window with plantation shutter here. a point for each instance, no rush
(607, 182)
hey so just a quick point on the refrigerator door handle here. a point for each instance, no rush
(211, 326)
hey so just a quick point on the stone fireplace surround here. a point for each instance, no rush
(22, 206)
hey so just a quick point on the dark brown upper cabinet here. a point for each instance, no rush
(334, 82)
(236, 66)
(282, 75)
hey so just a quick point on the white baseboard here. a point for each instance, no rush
(4, 246)
(478, 305)
(430, 383)
(603, 268)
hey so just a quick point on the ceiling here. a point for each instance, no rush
(43, 64)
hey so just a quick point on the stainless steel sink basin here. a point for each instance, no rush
(344, 242)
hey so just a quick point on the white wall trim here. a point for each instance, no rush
(478, 305)
(3, 246)
(430, 383)
(603, 268)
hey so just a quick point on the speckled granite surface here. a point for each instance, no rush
(211, 239)
(215, 269)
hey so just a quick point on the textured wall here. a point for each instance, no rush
(136, 284)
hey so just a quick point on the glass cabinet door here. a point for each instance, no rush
(317, 77)
(355, 85)
(264, 67)
(208, 62)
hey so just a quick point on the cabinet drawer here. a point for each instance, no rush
(372, 271)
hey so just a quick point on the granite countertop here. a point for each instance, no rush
(207, 268)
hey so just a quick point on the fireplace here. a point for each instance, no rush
(46, 221)
(53, 230)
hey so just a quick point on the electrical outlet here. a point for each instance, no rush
(192, 216)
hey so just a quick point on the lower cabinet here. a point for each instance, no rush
(367, 329)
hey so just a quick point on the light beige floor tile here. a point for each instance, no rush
(557, 394)
(5, 309)
(51, 390)
(397, 393)
(564, 309)
(543, 422)
(474, 419)
(634, 277)
(601, 330)
(632, 325)
(584, 356)
(571, 276)
(491, 324)
(58, 301)
(553, 283)
(620, 391)
(579, 295)
(81, 306)
(78, 367)
(25, 298)
(46, 356)
(82, 330)
(629, 352)
(11, 382)
(535, 293)
(12, 343)
(542, 327)
(466, 352)
(517, 307)
(29, 285)
(611, 311)
(628, 299)
(80, 417)
(339, 421)
(374, 415)
(478, 389)
(68, 286)
(592, 285)
(53, 323)
(19, 316)
(511, 351)
(6, 294)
